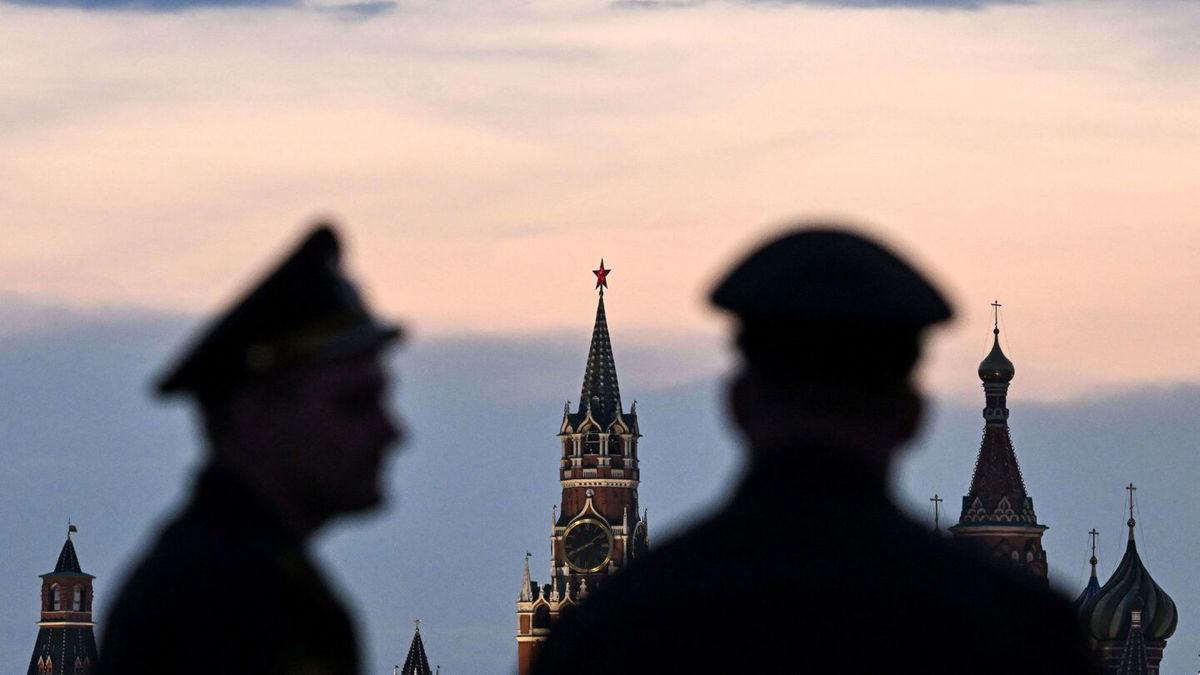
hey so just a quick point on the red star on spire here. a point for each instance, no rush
(601, 275)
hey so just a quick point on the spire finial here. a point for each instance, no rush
(1130, 488)
(70, 528)
(937, 503)
(601, 277)
(417, 623)
(996, 317)
(1093, 560)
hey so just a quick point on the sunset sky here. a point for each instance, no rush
(482, 156)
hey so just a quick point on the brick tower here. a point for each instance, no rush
(997, 513)
(65, 642)
(598, 529)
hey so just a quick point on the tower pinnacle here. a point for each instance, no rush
(997, 512)
(601, 277)
(416, 663)
(600, 392)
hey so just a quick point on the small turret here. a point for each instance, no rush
(66, 642)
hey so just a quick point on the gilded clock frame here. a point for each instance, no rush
(607, 556)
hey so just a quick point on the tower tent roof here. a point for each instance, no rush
(1134, 660)
(68, 562)
(416, 663)
(600, 389)
(997, 473)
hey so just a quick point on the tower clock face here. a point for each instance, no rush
(587, 544)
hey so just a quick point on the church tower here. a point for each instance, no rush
(65, 642)
(597, 530)
(997, 513)
(1130, 617)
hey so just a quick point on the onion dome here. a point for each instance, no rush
(1093, 585)
(996, 367)
(1109, 613)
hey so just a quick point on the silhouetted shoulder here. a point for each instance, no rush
(248, 588)
(779, 583)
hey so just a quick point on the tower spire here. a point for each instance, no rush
(600, 390)
(416, 662)
(997, 510)
(526, 586)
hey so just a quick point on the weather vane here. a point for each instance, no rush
(601, 277)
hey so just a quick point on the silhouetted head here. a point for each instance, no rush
(292, 389)
(830, 330)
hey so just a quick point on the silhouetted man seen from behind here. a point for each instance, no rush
(291, 390)
(811, 568)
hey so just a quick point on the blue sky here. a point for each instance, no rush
(472, 490)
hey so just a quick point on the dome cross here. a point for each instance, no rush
(1130, 488)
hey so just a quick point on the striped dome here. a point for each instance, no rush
(1107, 612)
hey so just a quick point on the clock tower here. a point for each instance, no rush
(598, 529)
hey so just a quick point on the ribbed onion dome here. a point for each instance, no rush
(996, 367)
(1089, 592)
(1107, 613)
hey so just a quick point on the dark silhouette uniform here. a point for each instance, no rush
(227, 588)
(810, 568)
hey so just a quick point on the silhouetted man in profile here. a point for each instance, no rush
(291, 391)
(810, 568)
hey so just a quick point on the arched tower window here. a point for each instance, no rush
(541, 617)
(77, 601)
(615, 445)
(568, 447)
(55, 599)
(591, 443)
